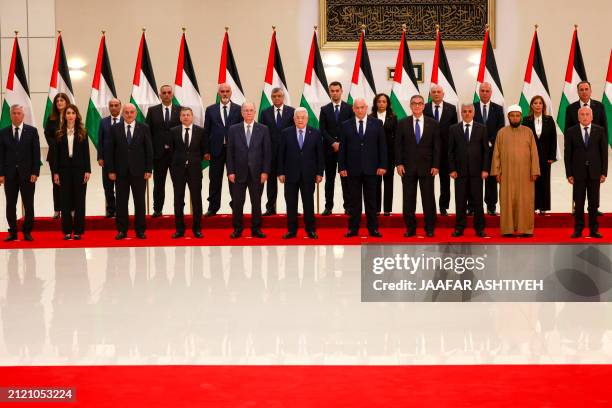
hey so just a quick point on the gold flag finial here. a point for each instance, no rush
(274, 28)
(183, 29)
(362, 27)
(59, 32)
(315, 28)
(536, 27)
(575, 26)
(437, 28)
(404, 27)
(144, 29)
(103, 32)
(487, 27)
(226, 29)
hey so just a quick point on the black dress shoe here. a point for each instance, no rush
(375, 234)
(11, 237)
(429, 234)
(178, 235)
(507, 235)
(312, 235)
(210, 213)
(76, 237)
(576, 234)
(235, 234)
(351, 233)
(27, 236)
(269, 213)
(326, 212)
(198, 234)
(141, 235)
(526, 235)
(410, 233)
(491, 211)
(289, 235)
(386, 214)
(120, 235)
(443, 212)
(56, 215)
(595, 234)
(257, 234)
(156, 214)
(109, 214)
(599, 213)
(457, 233)
(481, 234)
(67, 237)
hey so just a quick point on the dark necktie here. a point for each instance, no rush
(585, 104)
(301, 138)
(437, 113)
(337, 112)
(417, 131)
(225, 115)
(129, 134)
(586, 136)
(278, 118)
(186, 138)
(360, 129)
(248, 135)
(114, 121)
(167, 116)
(466, 134)
(485, 115)
(17, 134)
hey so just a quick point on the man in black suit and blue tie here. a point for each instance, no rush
(249, 157)
(362, 157)
(300, 167)
(330, 124)
(19, 170)
(597, 108)
(218, 119)
(277, 118)
(492, 116)
(104, 131)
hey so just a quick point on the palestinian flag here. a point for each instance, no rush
(315, 93)
(574, 73)
(487, 72)
(102, 91)
(17, 91)
(404, 81)
(441, 73)
(144, 88)
(362, 82)
(275, 77)
(228, 72)
(607, 99)
(186, 91)
(535, 79)
(60, 78)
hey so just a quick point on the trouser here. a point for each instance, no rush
(13, 186)
(160, 171)
(292, 190)
(444, 177)
(109, 191)
(180, 180)
(253, 184)
(469, 189)
(124, 184)
(385, 202)
(272, 185)
(331, 165)
(583, 189)
(73, 192)
(215, 177)
(409, 190)
(362, 186)
(57, 196)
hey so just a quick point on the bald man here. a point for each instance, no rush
(114, 107)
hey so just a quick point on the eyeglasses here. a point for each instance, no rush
(416, 103)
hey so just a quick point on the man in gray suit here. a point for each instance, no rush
(249, 160)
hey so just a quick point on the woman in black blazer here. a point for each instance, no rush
(71, 171)
(545, 132)
(381, 109)
(54, 121)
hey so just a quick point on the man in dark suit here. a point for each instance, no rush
(219, 117)
(130, 162)
(468, 158)
(362, 157)
(417, 157)
(114, 106)
(249, 156)
(330, 124)
(188, 146)
(446, 115)
(492, 116)
(300, 167)
(586, 167)
(19, 170)
(160, 119)
(584, 95)
(277, 118)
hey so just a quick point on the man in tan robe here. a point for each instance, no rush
(516, 167)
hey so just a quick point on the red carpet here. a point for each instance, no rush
(323, 386)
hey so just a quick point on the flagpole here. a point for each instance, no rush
(318, 194)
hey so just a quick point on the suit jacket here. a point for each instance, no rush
(599, 114)
(417, 159)
(49, 131)
(256, 158)
(329, 127)
(268, 118)
(547, 142)
(104, 131)
(390, 127)
(448, 118)
(160, 130)
(577, 154)
(362, 156)
(133, 159)
(80, 155)
(495, 120)
(25, 154)
(192, 155)
(468, 159)
(215, 131)
(295, 163)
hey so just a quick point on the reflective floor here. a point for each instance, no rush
(262, 305)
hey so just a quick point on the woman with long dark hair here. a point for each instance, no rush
(54, 121)
(381, 109)
(71, 171)
(543, 127)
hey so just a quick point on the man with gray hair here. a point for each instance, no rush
(19, 170)
(277, 118)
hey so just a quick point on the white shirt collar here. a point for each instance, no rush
(468, 123)
(18, 127)
(587, 102)
(297, 130)
(228, 104)
(167, 106)
(190, 127)
(132, 125)
(115, 117)
(277, 108)
(381, 115)
(252, 125)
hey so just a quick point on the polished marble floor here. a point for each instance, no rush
(262, 305)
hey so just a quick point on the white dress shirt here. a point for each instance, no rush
(20, 128)
(537, 122)
(115, 119)
(190, 127)
(440, 107)
(488, 105)
(421, 120)
(70, 138)
(469, 129)
(221, 105)
(583, 129)
(169, 111)
(365, 122)
(132, 126)
(382, 116)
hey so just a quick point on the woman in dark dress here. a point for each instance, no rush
(71, 171)
(545, 132)
(381, 109)
(60, 102)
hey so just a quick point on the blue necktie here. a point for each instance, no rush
(586, 136)
(301, 138)
(278, 118)
(129, 134)
(360, 129)
(466, 134)
(437, 113)
(337, 112)
(485, 115)
(417, 131)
